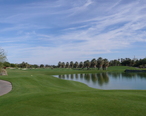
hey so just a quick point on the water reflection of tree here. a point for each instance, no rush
(128, 75)
(102, 78)
(63, 76)
(94, 77)
(134, 75)
(81, 76)
(106, 78)
(76, 76)
(141, 75)
(71, 76)
(87, 77)
(59, 76)
(114, 75)
(67, 76)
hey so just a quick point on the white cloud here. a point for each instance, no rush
(47, 32)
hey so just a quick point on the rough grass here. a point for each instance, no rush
(37, 93)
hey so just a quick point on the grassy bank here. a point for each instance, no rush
(37, 93)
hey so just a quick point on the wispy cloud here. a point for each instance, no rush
(50, 31)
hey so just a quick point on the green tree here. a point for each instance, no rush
(76, 64)
(42, 66)
(87, 64)
(13, 65)
(100, 63)
(63, 65)
(93, 63)
(24, 65)
(35, 66)
(105, 64)
(81, 64)
(115, 62)
(6, 64)
(67, 65)
(47, 66)
(59, 64)
(71, 64)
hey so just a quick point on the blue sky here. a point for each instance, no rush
(49, 31)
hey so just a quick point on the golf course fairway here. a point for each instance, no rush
(36, 92)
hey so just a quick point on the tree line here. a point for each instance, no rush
(101, 63)
(27, 65)
(141, 63)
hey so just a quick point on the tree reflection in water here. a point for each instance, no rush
(109, 80)
(67, 75)
(72, 76)
(99, 78)
(102, 78)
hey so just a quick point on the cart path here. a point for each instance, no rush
(5, 87)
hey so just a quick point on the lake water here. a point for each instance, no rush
(110, 81)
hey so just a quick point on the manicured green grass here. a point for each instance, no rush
(37, 93)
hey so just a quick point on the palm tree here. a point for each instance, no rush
(100, 63)
(63, 65)
(76, 64)
(93, 63)
(59, 64)
(67, 65)
(81, 64)
(87, 64)
(71, 64)
(24, 65)
(47, 66)
(105, 64)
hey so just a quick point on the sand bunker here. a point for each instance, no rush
(5, 87)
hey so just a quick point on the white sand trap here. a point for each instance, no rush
(5, 87)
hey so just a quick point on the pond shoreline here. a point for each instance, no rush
(134, 70)
(108, 80)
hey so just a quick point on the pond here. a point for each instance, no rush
(110, 81)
